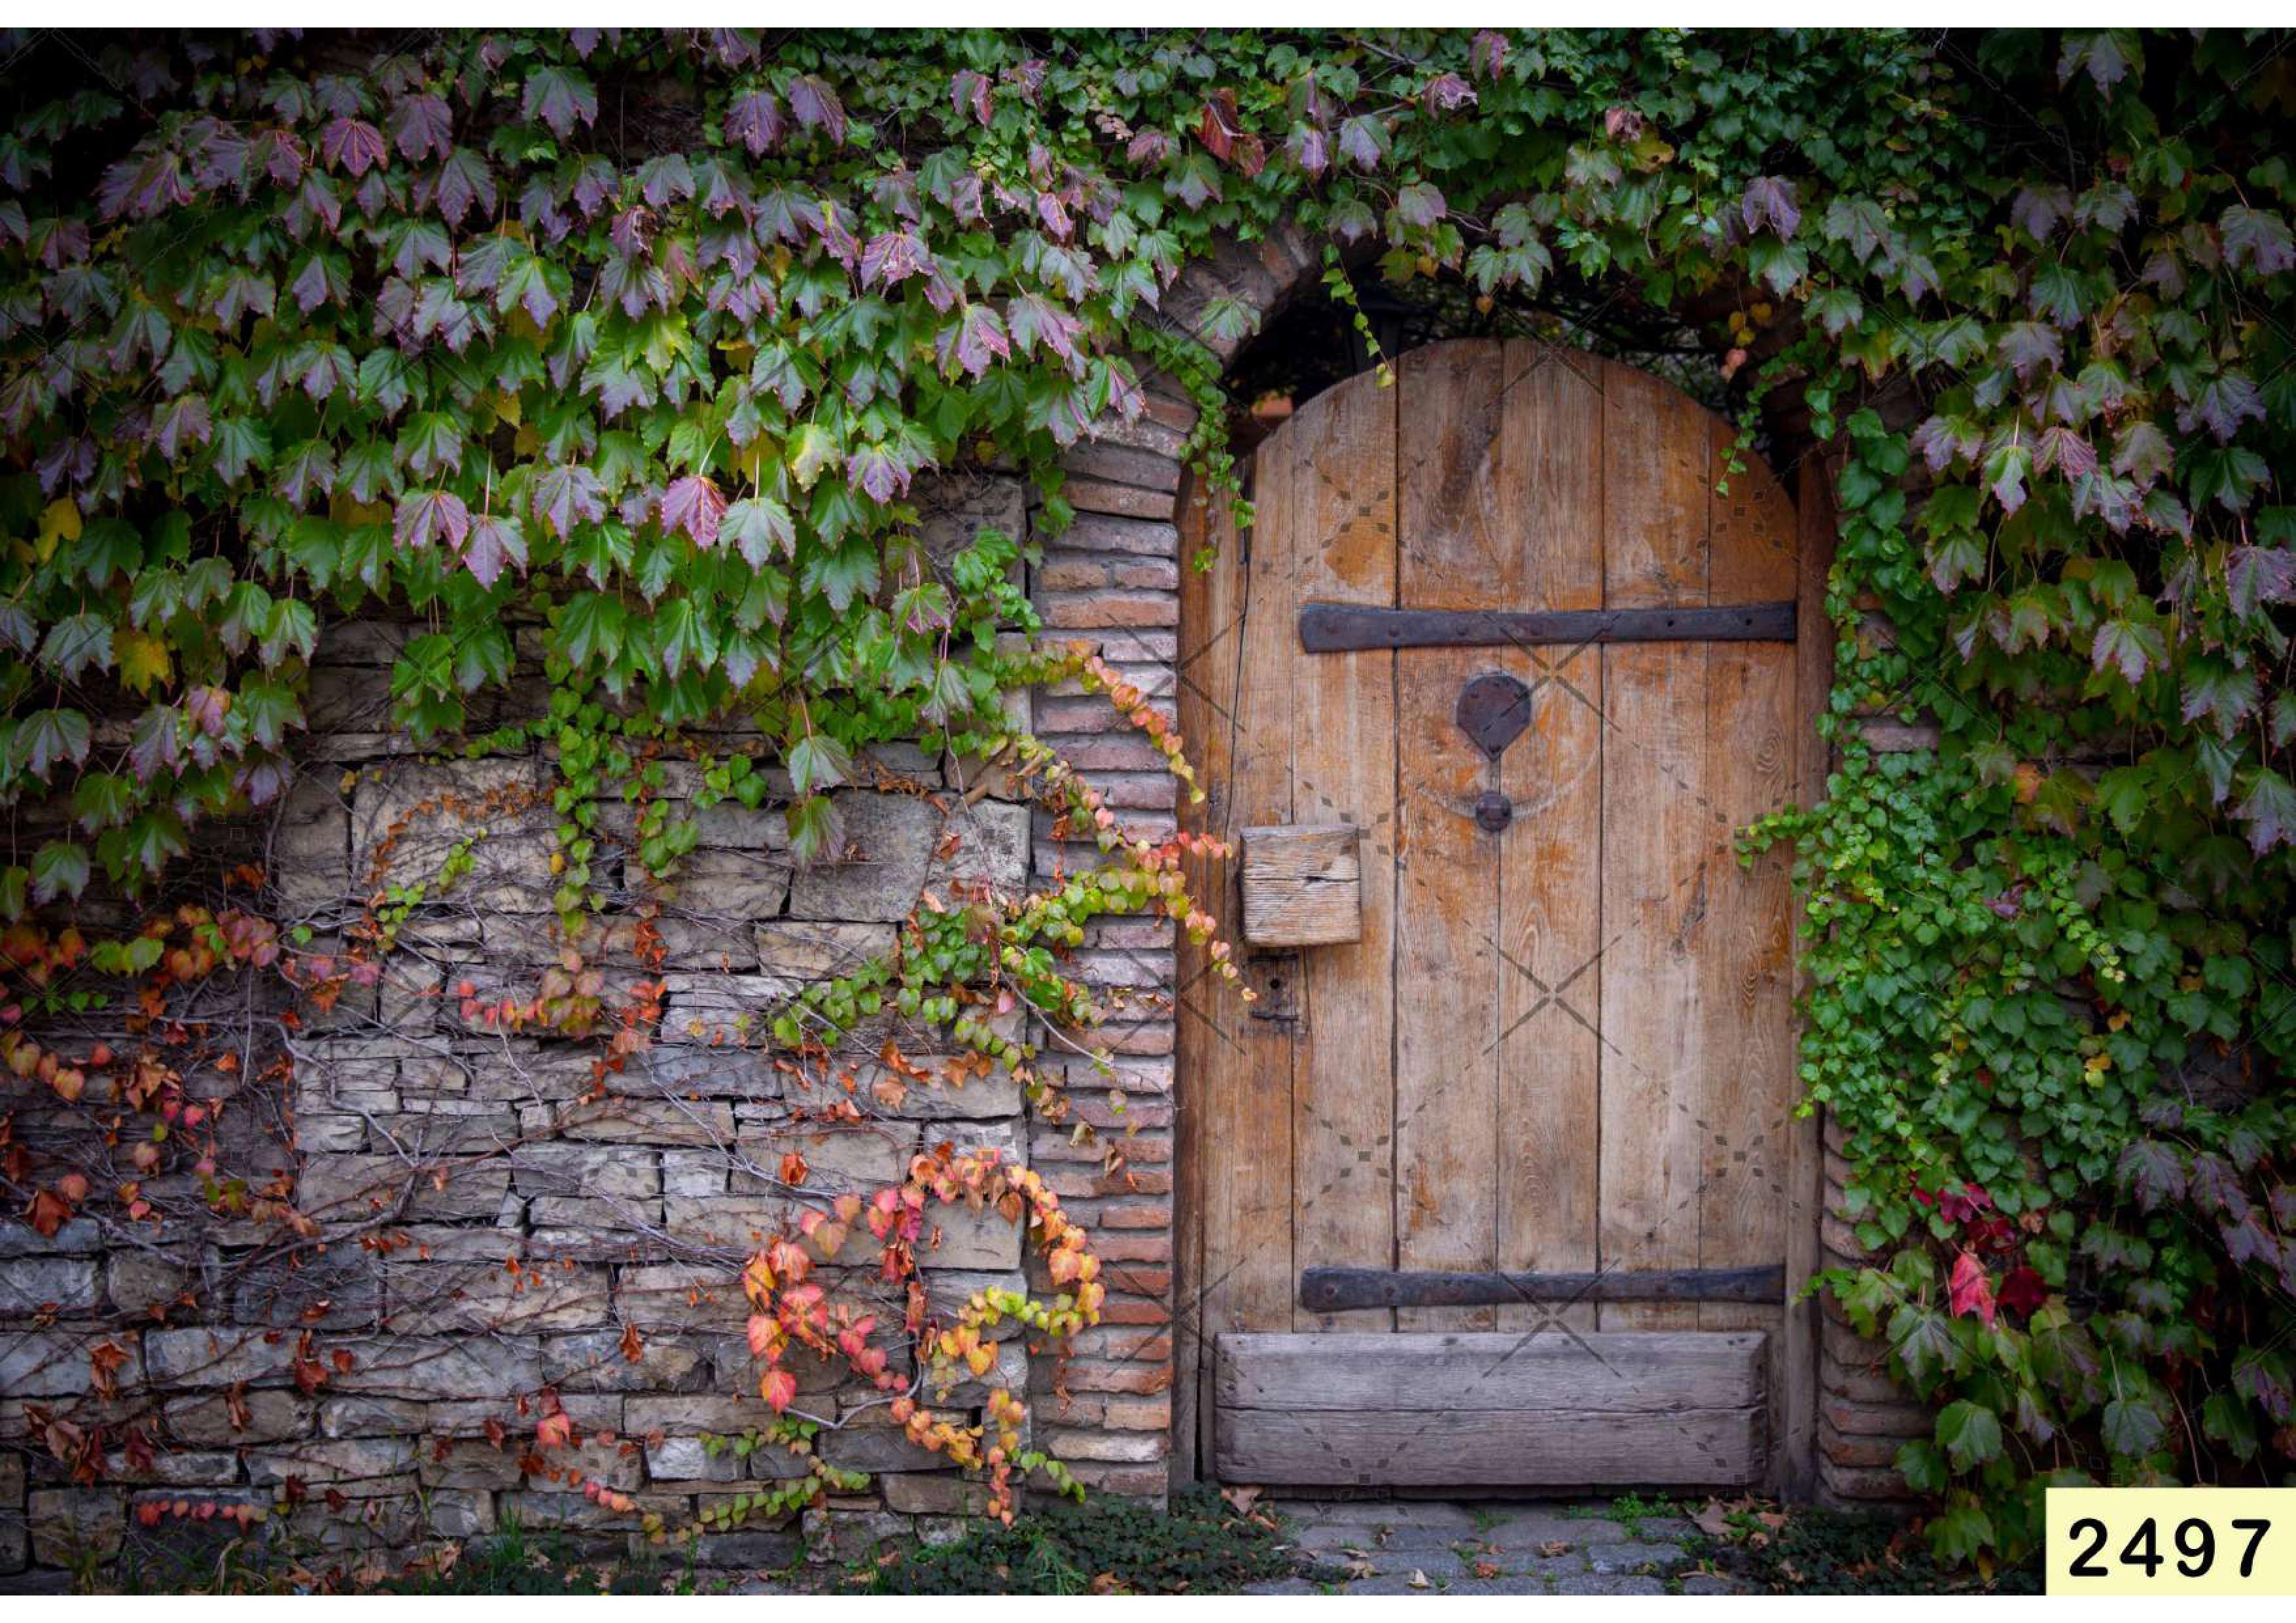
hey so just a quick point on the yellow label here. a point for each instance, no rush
(2172, 1541)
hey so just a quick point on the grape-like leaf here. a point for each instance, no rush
(2256, 239)
(77, 641)
(465, 182)
(2131, 1427)
(566, 495)
(2153, 1172)
(353, 144)
(46, 738)
(425, 516)
(1420, 205)
(422, 125)
(754, 118)
(695, 506)
(816, 107)
(2220, 405)
(1364, 140)
(494, 540)
(2132, 647)
(2269, 811)
(759, 526)
(2216, 691)
(561, 98)
(1969, 1433)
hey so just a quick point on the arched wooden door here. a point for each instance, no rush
(1493, 1192)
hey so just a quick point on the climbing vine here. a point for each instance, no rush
(638, 341)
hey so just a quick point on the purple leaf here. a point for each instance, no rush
(968, 89)
(975, 341)
(2256, 575)
(2219, 407)
(492, 541)
(464, 180)
(892, 257)
(422, 125)
(561, 98)
(816, 107)
(425, 516)
(1447, 93)
(695, 506)
(2153, 1172)
(2259, 240)
(353, 144)
(755, 120)
(662, 181)
(2269, 811)
(567, 495)
(1420, 204)
(1770, 201)
(2037, 209)
(1363, 141)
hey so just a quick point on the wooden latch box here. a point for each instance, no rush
(1302, 885)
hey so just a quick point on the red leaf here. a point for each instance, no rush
(1971, 1290)
(2023, 1290)
(779, 1388)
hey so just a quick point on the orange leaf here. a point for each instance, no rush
(779, 1388)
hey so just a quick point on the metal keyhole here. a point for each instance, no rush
(1493, 708)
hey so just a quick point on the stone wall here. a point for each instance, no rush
(499, 1217)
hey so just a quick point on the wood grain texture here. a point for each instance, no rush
(1710, 1448)
(1749, 960)
(1457, 550)
(1550, 857)
(1344, 768)
(1618, 1373)
(1657, 831)
(1248, 1263)
(1302, 885)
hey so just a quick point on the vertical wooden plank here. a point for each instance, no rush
(1453, 543)
(1656, 819)
(1750, 770)
(1550, 859)
(1654, 534)
(1248, 1274)
(1341, 446)
(1206, 1030)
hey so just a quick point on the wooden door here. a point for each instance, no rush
(1493, 1193)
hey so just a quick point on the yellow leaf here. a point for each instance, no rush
(144, 660)
(752, 460)
(528, 442)
(507, 408)
(58, 522)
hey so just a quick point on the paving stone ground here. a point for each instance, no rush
(1490, 1547)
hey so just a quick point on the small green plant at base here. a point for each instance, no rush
(1199, 1545)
